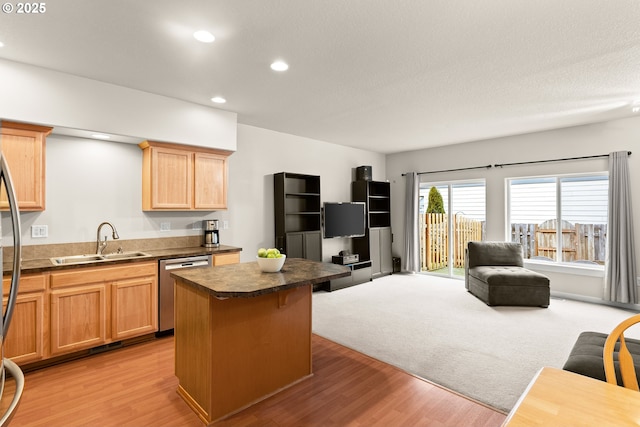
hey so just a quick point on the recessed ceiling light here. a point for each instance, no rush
(204, 36)
(218, 100)
(100, 136)
(279, 66)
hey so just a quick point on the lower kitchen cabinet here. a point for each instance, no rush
(134, 307)
(93, 306)
(78, 318)
(24, 342)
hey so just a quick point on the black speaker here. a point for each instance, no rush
(396, 264)
(363, 173)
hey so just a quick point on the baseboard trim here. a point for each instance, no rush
(594, 300)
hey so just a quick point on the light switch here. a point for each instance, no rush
(39, 231)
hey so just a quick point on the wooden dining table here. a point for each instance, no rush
(561, 398)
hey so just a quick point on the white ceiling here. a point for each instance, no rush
(382, 75)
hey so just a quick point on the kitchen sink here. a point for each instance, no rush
(84, 259)
(76, 259)
(125, 255)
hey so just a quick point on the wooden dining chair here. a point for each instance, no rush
(625, 358)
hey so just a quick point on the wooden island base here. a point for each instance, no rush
(233, 352)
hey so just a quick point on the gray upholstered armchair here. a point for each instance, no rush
(494, 273)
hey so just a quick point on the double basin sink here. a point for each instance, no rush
(84, 259)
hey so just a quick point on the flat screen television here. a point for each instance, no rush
(345, 219)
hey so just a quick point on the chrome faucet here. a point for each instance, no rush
(101, 245)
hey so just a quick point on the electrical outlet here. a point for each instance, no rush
(165, 226)
(39, 231)
(225, 225)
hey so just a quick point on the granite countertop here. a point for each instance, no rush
(246, 279)
(44, 264)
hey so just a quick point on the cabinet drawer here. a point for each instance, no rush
(31, 283)
(224, 259)
(83, 276)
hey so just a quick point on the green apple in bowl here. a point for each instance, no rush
(269, 253)
(270, 260)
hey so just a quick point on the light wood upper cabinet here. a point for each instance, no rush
(170, 180)
(210, 179)
(23, 146)
(180, 177)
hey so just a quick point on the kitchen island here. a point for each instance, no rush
(242, 335)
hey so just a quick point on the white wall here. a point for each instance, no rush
(40, 96)
(91, 181)
(576, 141)
(261, 153)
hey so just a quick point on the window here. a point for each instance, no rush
(444, 236)
(560, 219)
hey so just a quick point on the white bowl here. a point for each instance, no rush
(271, 265)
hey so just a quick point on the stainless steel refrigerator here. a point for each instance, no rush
(6, 365)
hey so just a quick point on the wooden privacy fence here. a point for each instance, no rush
(434, 239)
(580, 242)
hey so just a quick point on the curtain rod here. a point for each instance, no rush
(454, 170)
(554, 160)
(499, 165)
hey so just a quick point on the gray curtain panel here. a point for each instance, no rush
(411, 250)
(620, 284)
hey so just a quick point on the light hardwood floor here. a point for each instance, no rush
(135, 386)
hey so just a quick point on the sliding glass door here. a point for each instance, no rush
(451, 214)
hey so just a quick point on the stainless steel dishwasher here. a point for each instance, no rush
(166, 285)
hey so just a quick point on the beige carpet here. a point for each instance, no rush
(432, 327)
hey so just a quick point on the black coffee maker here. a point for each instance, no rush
(211, 236)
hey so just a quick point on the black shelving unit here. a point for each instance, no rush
(375, 246)
(298, 232)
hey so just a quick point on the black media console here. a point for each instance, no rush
(360, 273)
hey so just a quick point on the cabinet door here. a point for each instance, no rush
(304, 245)
(134, 307)
(380, 244)
(210, 178)
(386, 259)
(78, 318)
(171, 178)
(374, 248)
(24, 150)
(295, 245)
(313, 246)
(24, 341)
